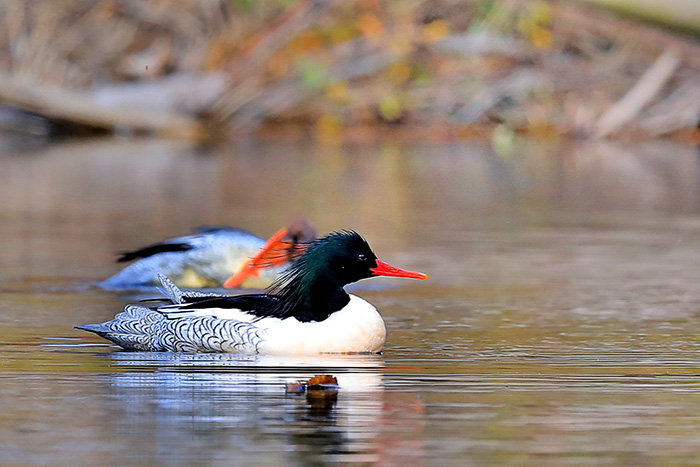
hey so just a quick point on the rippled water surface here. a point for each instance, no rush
(559, 325)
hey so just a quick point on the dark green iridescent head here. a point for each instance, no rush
(312, 288)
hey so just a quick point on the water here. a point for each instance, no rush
(558, 326)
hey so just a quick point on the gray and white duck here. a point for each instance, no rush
(214, 257)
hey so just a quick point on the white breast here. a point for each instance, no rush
(358, 327)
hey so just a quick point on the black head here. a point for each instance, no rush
(342, 257)
(315, 282)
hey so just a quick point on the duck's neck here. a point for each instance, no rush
(316, 301)
(326, 299)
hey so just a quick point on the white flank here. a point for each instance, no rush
(358, 327)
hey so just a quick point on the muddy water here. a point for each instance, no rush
(559, 325)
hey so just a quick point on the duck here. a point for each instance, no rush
(214, 256)
(305, 312)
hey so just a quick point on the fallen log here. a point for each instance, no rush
(83, 108)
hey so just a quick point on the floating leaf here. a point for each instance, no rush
(323, 380)
(321, 384)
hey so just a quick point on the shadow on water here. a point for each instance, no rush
(558, 325)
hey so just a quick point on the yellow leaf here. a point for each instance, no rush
(343, 33)
(278, 65)
(390, 108)
(436, 30)
(328, 127)
(399, 72)
(541, 38)
(370, 26)
(337, 91)
(307, 41)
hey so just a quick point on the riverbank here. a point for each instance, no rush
(455, 69)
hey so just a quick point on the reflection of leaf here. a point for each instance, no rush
(313, 74)
(503, 140)
(328, 127)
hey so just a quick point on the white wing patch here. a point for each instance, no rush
(181, 311)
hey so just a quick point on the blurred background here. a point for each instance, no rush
(538, 159)
(422, 70)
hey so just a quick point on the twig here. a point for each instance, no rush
(648, 86)
(650, 38)
(246, 67)
(678, 111)
(517, 85)
(284, 95)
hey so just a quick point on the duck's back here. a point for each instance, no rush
(203, 260)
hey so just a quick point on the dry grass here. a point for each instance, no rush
(526, 64)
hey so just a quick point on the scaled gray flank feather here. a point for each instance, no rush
(141, 328)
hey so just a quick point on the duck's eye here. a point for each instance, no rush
(361, 257)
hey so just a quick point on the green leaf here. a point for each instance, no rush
(313, 74)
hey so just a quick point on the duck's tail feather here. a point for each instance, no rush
(142, 328)
(136, 328)
(96, 328)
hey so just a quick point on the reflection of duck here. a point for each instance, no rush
(356, 373)
(223, 407)
(211, 256)
(306, 312)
